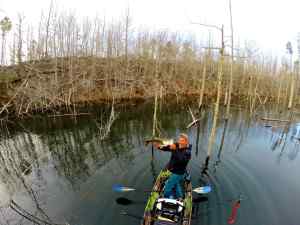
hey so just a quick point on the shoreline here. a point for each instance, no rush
(63, 84)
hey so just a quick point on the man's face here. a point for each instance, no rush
(182, 142)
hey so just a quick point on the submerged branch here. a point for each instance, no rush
(75, 114)
(276, 120)
(104, 129)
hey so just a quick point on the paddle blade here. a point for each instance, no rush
(121, 188)
(202, 190)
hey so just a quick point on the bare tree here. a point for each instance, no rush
(20, 39)
(93, 60)
(289, 49)
(6, 26)
(219, 90)
(205, 59)
(48, 28)
(231, 65)
(127, 26)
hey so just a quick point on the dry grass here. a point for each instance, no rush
(68, 63)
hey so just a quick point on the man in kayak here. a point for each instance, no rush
(180, 156)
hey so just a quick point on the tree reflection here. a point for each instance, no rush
(70, 147)
(72, 150)
(218, 161)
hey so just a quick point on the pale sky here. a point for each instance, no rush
(271, 23)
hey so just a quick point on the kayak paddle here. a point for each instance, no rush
(198, 190)
(120, 188)
(202, 190)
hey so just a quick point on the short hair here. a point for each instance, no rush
(183, 135)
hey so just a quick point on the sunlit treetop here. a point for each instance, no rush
(5, 24)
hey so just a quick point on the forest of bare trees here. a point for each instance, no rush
(65, 62)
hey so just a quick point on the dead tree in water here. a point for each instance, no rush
(154, 127)
(104, 129)
(202, 83)
(290, 52)
(219, 87)
(221, 146)
(231, 66)
(280, 78)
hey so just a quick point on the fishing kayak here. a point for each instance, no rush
(166, 211)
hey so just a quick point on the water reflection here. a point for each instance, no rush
(69, 148)
(296, 131)
(284, 137)
(59, 158)
(218, 160)
(243, 132)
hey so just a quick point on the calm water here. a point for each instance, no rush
(59, 170)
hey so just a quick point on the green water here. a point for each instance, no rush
(59, 170)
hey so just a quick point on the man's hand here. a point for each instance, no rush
(157, 145)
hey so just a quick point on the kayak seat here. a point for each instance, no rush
(168, 210)
(161, 222)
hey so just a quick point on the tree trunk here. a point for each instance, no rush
(216, 110)
(231, 66)
(20, 40)
(292, 91)
(202, 85)
(3, 48)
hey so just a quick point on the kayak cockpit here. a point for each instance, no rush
(168, 211)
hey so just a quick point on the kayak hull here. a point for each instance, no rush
(151, 215)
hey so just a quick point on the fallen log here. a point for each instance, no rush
(275, 120)
(71, 114)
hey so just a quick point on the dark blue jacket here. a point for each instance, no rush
(179, 159)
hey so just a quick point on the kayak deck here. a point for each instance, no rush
(164, 211)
